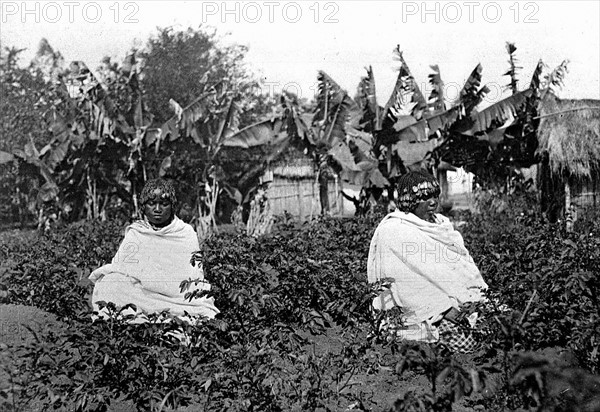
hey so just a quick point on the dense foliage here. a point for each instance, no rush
(550, 272)
(81, 142)
(50, 272)
(296, 331)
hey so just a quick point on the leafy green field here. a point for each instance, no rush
(296, 332)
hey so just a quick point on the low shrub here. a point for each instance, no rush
(50, 271)
(281, 293)
(547, 275)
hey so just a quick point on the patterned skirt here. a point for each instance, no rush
(459, 338)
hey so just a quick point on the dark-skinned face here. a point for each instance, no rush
(426, 209)
(158, 211)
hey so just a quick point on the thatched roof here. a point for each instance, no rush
(569, 131)
(294, 172)
(293, 164)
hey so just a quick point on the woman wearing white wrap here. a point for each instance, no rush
(152, 261)
(433, 277)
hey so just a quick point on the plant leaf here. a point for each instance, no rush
(334, 109)
(498, 113)
(366, 99)
(406, 98)
(513, 68)
(470, 95)
(436, 97)
(164, 166)
(258, 134)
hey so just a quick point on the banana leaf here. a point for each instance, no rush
(185, 117)
(366, 100)
(471, 95)
(436, 97)
(262, 133)
(414, 153)
(442, 121)
(406, 98)
(334, 110)
(498, 113)
(365, 173)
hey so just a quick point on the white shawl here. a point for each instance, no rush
(148, 269)
(431, 269)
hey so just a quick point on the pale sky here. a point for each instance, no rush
(290, 41)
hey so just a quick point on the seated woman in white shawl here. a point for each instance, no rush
(152, 261)
(433, 277)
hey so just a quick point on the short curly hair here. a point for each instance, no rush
(415, 187)
(158, 187)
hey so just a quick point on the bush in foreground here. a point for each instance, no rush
(282, 294)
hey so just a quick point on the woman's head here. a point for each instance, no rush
(418, 193)
(158, 202)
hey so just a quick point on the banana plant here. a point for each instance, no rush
(372, 145)
(335, 140)
(408, 130)
(97, 142)
(212, 122)
(510, 125)
(47, 193)
(335, 112)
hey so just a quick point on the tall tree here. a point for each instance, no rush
(27, 97)
(182, 65)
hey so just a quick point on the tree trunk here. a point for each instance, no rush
(323, 192)
(568, 214)
(442, 176)
(551, 191)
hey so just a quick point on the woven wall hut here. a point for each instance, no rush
(295, 190)
(569, 146)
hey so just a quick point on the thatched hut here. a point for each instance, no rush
(293, 188)
(569, 146)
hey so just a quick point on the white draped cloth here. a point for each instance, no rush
(430, 269)
(148, 269)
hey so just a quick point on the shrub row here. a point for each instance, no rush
(272, 292)
(548, 276)
(50, 271)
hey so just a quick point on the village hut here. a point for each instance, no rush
(293, 188)
(569, 147)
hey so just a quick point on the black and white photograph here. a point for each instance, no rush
(290, 206)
